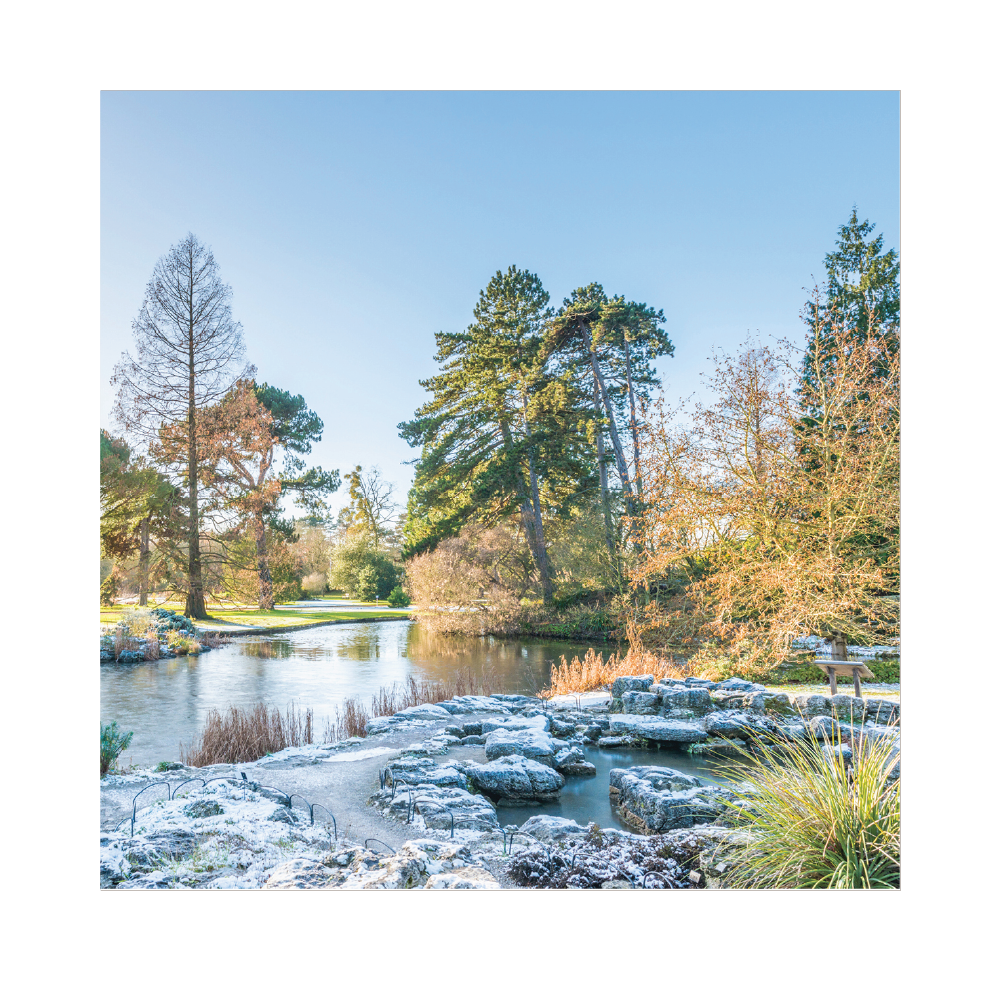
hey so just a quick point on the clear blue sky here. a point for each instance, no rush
(352, 226)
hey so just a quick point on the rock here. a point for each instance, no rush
(732, 724)
(809, 706)
(550, 829)
(442, 808)
(653, 799)
(848, 709)
(620, 740)
(737, 685)
(473, 739)
(379, 725)
(424, 712)
(401, 871)
(772, 703)
(617, 884)
(472, 729)
(514, 780)
(656, 728)
(700, 683)
(562, 728)
(531, 742)
(593, 732)
(697, 701)
(425, 771)
(882, 711)
(641, 703)
(572, 762)
(300, 874)
(464, 704)
(465, 878)
(535, 722)
(455, 731)
(630, 683)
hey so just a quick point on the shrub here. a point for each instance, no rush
(314, 583)
(362, 569)
(397, 598)
(816, 821)
(112, 744)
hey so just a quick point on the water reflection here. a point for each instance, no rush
(166, 701)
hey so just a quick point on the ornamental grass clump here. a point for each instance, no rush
(594, 672)
(816, 820)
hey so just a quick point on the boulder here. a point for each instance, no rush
(472, 729)
(641, 703)
(537, 722)
(652, 798)
(425, 771)
(562, 728)
(848, 709)
(738, 685)
(809, 706)
(732, 724)
(473, 739)
(656, 728)
(571, 761)
(441, 808)
(619, 740)
(770, 703)
(549, 829)
(697, 701)
(700, 683)
(424, 712)
(465, 878)
(882, 711)
(631, 683)
(465, 704)
(532, 742)
(300, 874)
(514, 780)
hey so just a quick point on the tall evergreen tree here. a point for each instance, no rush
(500, 434)
(861, 294)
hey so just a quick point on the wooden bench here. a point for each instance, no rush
(843, 668)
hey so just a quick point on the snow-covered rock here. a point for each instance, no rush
(531, 742)
(652, 798)
(549, 829)
(515, 780)
(656, 728)
(465, 878)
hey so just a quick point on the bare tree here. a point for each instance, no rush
(372, 508)
(188, 351)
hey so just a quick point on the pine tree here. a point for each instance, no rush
(501, 434)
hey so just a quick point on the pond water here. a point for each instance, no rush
(165, 702)
(586, 799)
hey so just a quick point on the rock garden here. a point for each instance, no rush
(447, 768)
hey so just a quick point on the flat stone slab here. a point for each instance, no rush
(656, 728)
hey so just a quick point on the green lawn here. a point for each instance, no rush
(286, 617)
(257, 618)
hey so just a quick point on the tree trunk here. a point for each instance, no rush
(541, 556)
(620, 458)
(194, 605)
(632, 420)
(143, 560)
(603, 478)
(265, 592)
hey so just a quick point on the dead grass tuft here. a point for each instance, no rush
(594, 672)
(248, 734)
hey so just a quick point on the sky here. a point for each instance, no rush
(354, 225)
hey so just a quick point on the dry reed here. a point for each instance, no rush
(248, 734)
(593, 672)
